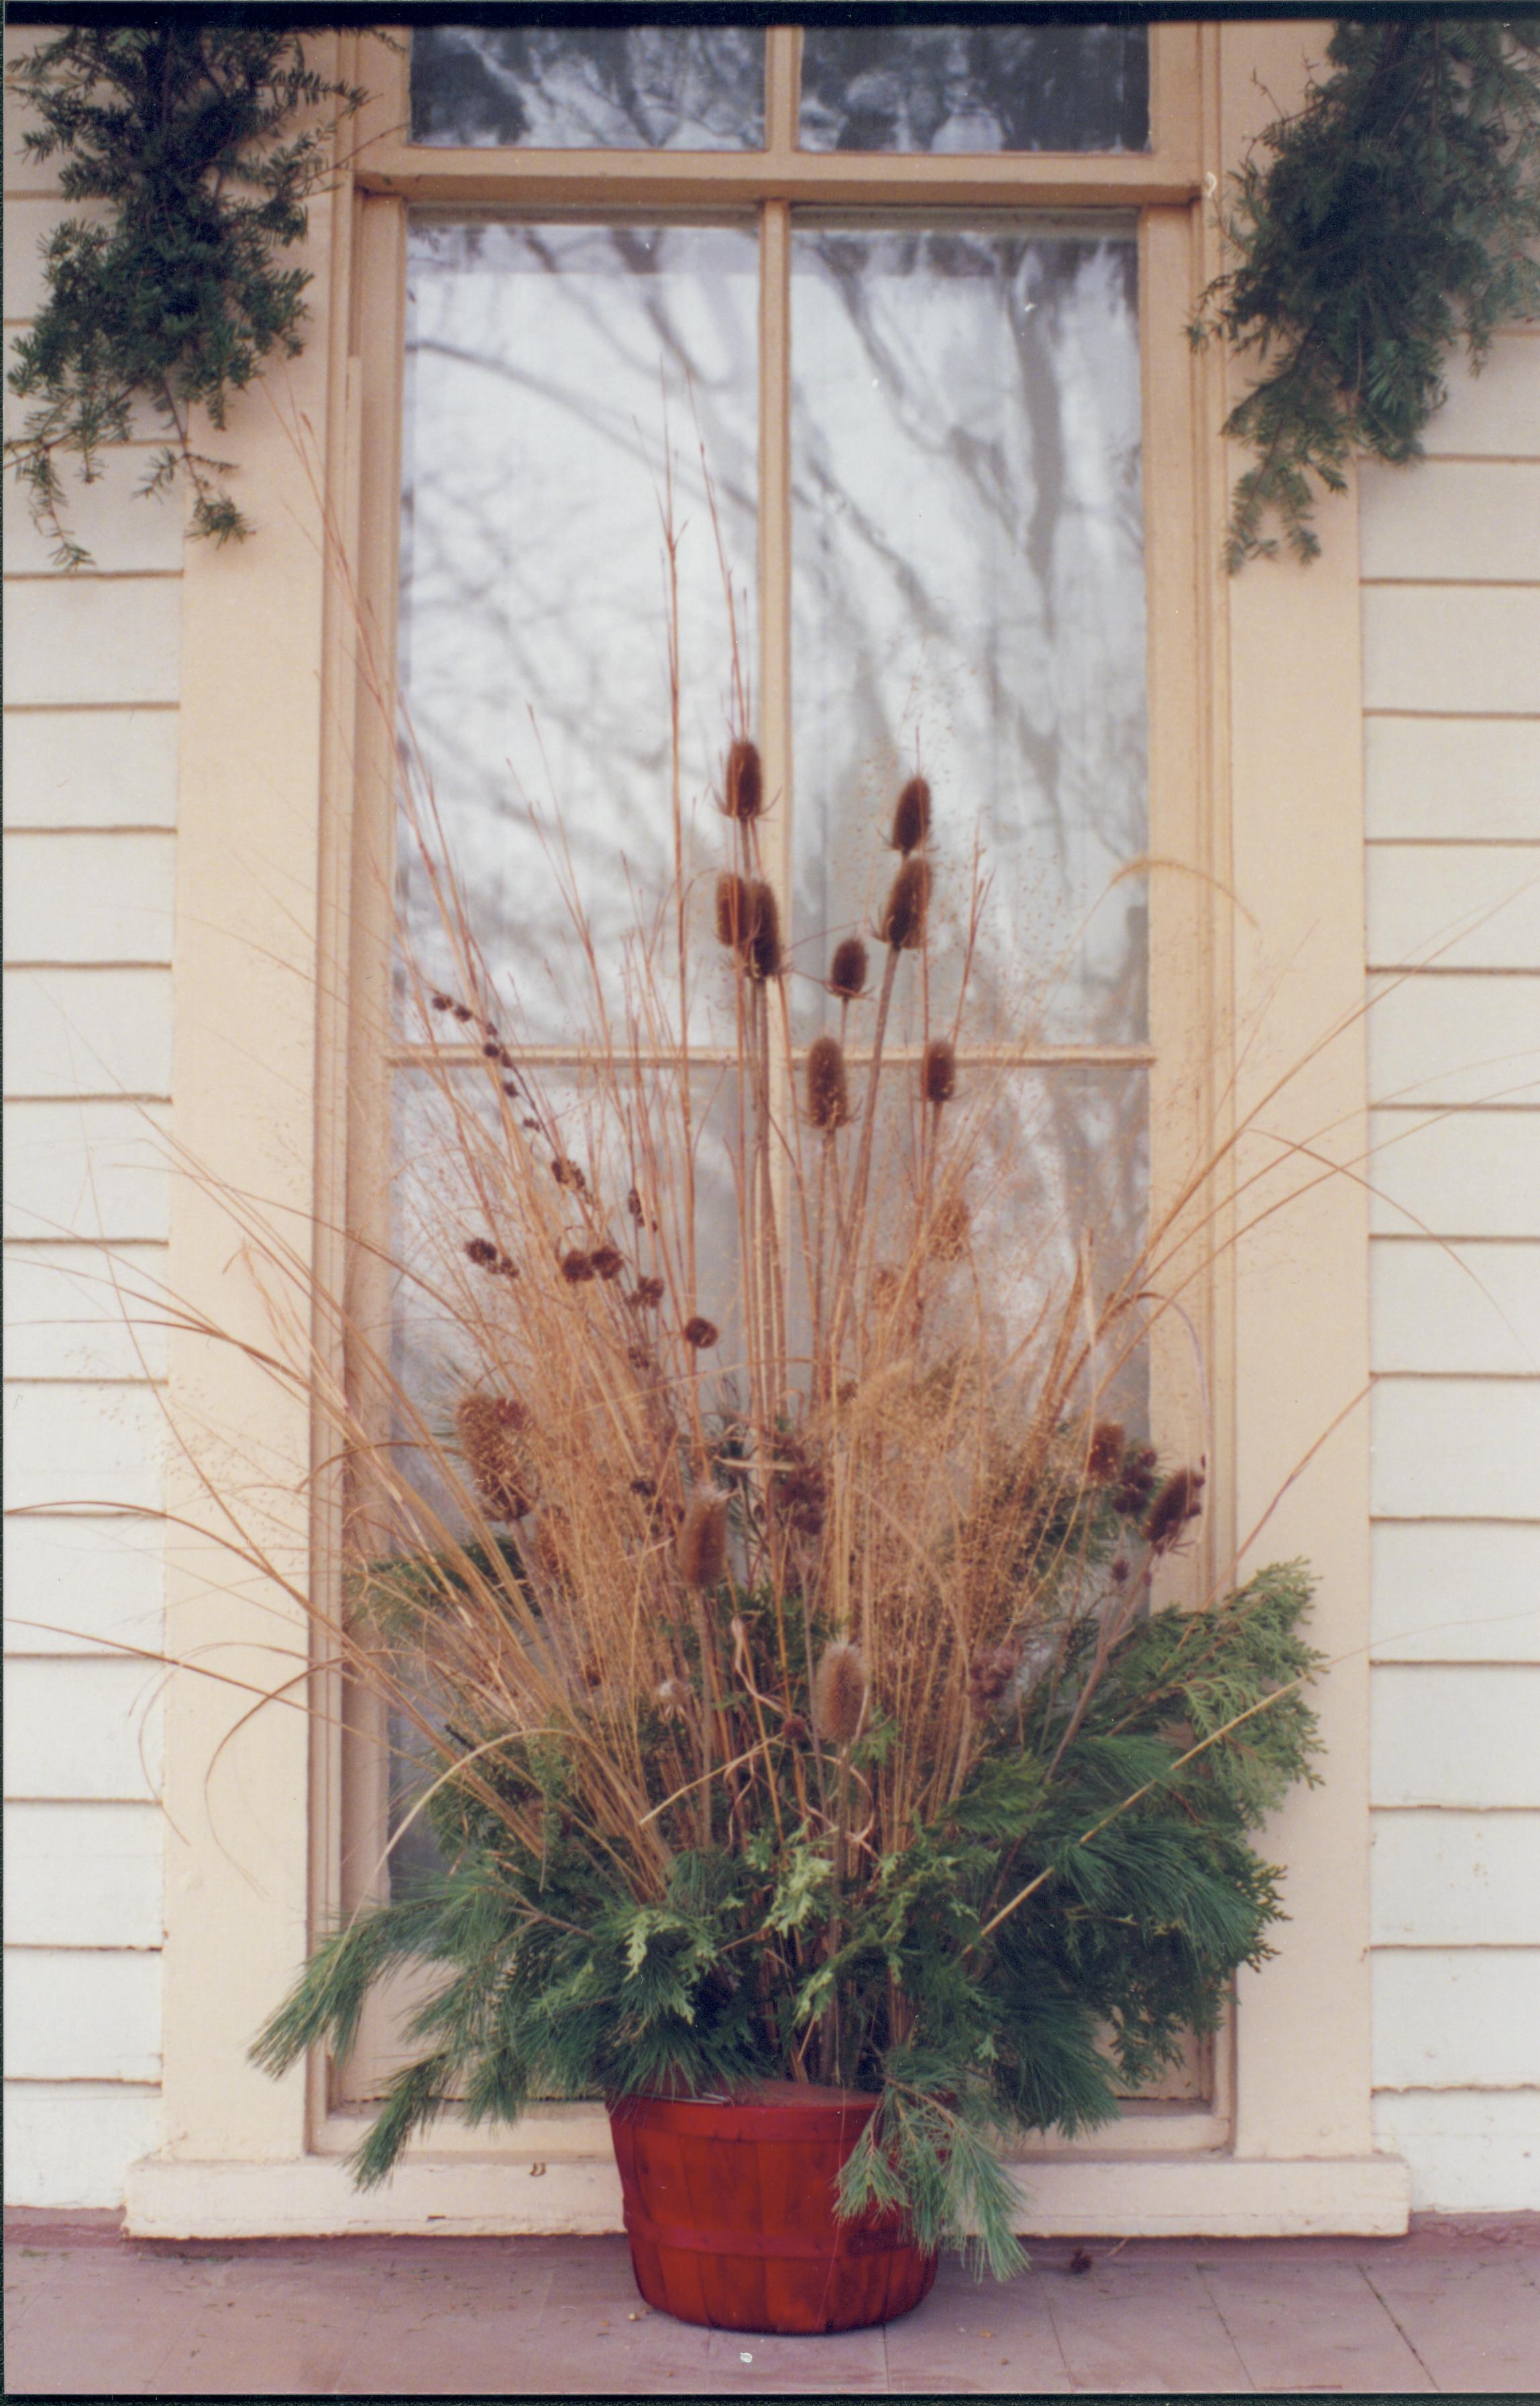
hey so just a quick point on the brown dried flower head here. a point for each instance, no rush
(491, 1432)
(442, 1002)
(703, 1540)
(903, 922)
(990, 1674)
(744, 786)
(606, 1261)
(701, 1333)
(483, 1255)
(912, 816)
(1104, 1454)
(1180, 1501)
(567, 1173)
(1137, 1482)
(847, 971)
(577, 1266)
(766, 957)
(840, 1693)
(938, 1071)
(648, 1294)
(734, 911)
(828, 1101)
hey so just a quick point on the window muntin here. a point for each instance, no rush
(975, 88)
(589, 88)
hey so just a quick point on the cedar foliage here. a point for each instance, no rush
(1390, 218)
(174, 292)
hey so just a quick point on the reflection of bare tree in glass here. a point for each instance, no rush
(621, 88)
(962, 88)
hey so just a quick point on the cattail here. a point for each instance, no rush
(734, 911)
(648, 1294)
(703, 1540)
(701, 1333)
(744, 786)
(839, 1694)
(1104, 1454)
(912, 816)
(903, 922)
(766, 958)
(1181, 1500)
(576, 1266)
(491, 1431)
(606, 1262)
(828, 1103)
(948, 1234)
(938, 1071)
(847, 971)
(481, 1253)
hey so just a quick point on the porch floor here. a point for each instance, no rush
(1455, 2306)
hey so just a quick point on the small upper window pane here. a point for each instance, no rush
(972, 88)
(589, 88)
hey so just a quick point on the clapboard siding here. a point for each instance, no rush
(90, 736)
(1471, 2151)
(1460, 1307)
(1456, 1590)
(1470, 520)
(1452, 781)
(1458, 1734)
(1466, 650)
(1439, 1175)
(1492, 411)
(1456, 2017)
(1454, 906)
(1452, 1037)
(1453, 1880)
(1456, 1448)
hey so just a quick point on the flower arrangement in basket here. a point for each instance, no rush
(775, 1615)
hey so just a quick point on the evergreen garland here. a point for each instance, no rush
(1391, 219)
(174, 294)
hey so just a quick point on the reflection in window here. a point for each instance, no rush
(550, 372)
(969, 595)
(970, 87)
(570, 87)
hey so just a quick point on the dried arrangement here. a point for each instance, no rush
(775, 1613)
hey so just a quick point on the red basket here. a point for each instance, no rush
(730, 2211)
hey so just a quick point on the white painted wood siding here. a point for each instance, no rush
(1451, 625)
(90, 818)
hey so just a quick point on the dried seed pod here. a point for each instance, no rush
(481, 1253)
(576, 1266)
(793, 1729)
(847, 971)
(493, 1051)
(490, 1429)
(567, 1173)
(674, 1699)
(734, 913)
(948, 1234)
(1104, 1454)
(798, 1493)
(839, 1694)
(938, 1071)
(634, 1204)
(461, 1013)
(442, 1002)
(503, 1267)
(766, 958)
(649, 1293)
(829, 1102)
(606, 1262)
(703, 1540)
(903, 922)
(744, 786)
(1181, 1500)
(912, 816)
(699, 1333)
(1138, 1481)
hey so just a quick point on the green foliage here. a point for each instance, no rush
(1079, 1908)
(173, 291)
(1395, 214)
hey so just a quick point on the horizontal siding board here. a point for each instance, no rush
(1469, 2151)
(85, 1875)
(76, 1585)
(125, 529)
(1456, 2017)
(1460, 1038)
(100, 1446)
(1475, 908)
(1454, 1173)
(85, 1731)
(93, 640)
(1456, 1590)
(71, 2143)
(1456, 519)
(72, 2015)
(1457, 1448)
(79, 1311)
(86, 1170)
(1446, 779)
(1460, 1735)
(87, 1032)
(1494, 409)
(1454, 1308)
(90, 769)
(90, 896)
(1462, 648)
(1455, 1879)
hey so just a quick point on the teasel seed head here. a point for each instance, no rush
(483, 1255)
(703, 1540)
(1104, 1454)
(840, 1693)
(1179, 1500)
(461, 1013)
(567, 1173)
(766, 958)
(744, 786)
(938, 1071)
(606, 1262)
(442, 1002)
(491, 1432)
(1136, 1483)
(912, 816)
(903, 923)
(576, 1266)
(829, 1102)
(948, 1234)
(734, 913)
(649, 1293)
(701, 1334)
(847, 971)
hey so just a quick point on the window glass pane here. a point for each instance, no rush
(589, 88)
(550, 371)
(964, 87)
(969, 595)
